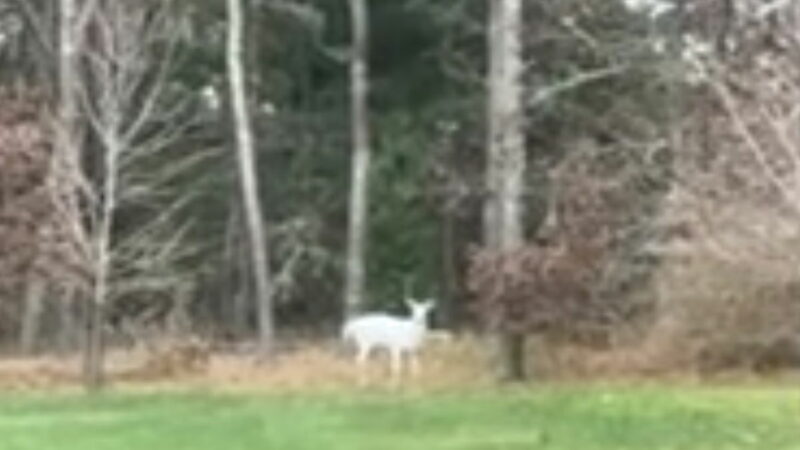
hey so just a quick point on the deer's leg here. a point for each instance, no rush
(362, 357)
(396, 356)
(414, 363)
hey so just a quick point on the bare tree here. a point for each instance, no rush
(67, 169)
(28, 47)
(248, 177)
(741, 202)
(359, 200)
(134, 119)
(503, 211)
(726, 284)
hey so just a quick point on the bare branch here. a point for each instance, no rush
(548, 93)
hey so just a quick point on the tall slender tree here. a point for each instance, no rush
(67, 166)
(359, 187)
(503, 211)
(248, 178)
(134, 122)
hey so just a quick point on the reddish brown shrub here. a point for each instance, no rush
(35, 238)
(542, 289)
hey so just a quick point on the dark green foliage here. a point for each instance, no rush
(403, 229)
(428, 67)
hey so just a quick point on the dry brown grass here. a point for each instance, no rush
(319, 366)
(316, 365)
(39, 374)
(309, 365)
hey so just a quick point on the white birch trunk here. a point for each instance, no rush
(69, 173)
(359, 188)
(247, 176)
(506, 138)
(503, 211)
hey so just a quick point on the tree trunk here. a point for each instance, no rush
(230, 266)
(511, 350)
(68, 327)
(93, 347)
(237, 282)
(68, 168)
(503, 214)
(359, 201)
(448, 309)
(68, 155)
(32, 316)
(179, 322)
(248, 177)
(103, 261)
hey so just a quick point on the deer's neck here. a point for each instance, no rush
(420, 322)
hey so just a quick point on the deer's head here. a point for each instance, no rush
(420, 309)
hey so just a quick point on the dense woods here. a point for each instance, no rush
(620, 176)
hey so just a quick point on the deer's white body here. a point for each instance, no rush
(398, 335)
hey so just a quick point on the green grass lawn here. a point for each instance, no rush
(576, 418)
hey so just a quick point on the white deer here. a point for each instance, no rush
(401, 336)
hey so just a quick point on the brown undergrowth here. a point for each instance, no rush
(304, 366)
(313, 366)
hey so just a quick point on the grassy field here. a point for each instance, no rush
(576, 418)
